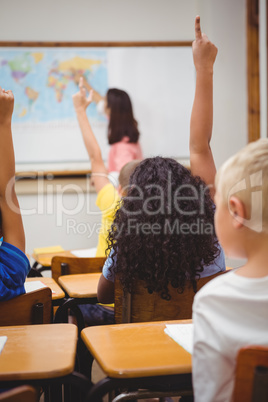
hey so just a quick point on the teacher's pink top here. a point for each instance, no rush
(123, 152)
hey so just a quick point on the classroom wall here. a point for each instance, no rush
(139, 20)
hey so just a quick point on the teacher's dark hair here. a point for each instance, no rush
(122, 123)
(163, 233)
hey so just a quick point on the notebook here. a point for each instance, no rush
(85, 253)
(34, 285)
(3, 340)
(182, 334)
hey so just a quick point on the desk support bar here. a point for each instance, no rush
(181, 384)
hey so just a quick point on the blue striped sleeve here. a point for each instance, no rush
(14, 267)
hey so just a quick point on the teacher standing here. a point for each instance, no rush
(123, 133)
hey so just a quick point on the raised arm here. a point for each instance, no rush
(99, 171)
(96, 97)
(201, 158)
(12, 227)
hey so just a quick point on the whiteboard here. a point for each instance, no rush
(161, 83)
(159, 80)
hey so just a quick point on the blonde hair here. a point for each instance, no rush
(126, 172)
(245, 175)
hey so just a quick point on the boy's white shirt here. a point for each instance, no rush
(230, 312)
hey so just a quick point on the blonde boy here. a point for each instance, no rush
(231, 311)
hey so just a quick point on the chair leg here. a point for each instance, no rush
(46, 393)
(85, 359)
(62, 313)
(56, 392)
(34, 273)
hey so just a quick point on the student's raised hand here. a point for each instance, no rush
(204, 51)
(6, 106)
(80, 100)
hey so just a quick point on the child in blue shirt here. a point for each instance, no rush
(14, 265)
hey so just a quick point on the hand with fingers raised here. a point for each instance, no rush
(204, 51)
(6, 106)
(80, 100)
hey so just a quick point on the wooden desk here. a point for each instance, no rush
(57, 292)
(81, 289)
(34, 352)
(80, 285)
(45, 259)
(139, 355)
(41, 355)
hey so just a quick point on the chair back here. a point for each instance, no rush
(61, 265)
(251, 376)
(30, 308)
(24, 393)
(141, 306)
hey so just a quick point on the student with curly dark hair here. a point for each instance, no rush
(164, 232)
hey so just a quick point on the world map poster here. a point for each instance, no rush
(44, 80)
(160, 81)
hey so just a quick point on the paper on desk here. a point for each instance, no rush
(85, 253)
(3, 340)
(34, 285)
(182, 334)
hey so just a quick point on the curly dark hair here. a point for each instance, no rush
(122, 123)
(163, 231)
